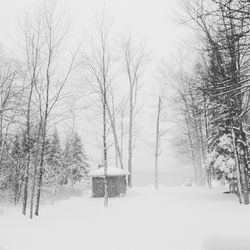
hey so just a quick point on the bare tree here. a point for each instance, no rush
(186, 99)
(54, 33)
(44, 31)
(11, 93)
(11, 96)
(33, 49)
(161, 105)
(98, 65)
(189, 107)
(133, 60)
(112, 117)
(122, 112)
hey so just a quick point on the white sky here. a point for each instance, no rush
(150, 20)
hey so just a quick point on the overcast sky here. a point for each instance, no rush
(150, 20)
(147, 20)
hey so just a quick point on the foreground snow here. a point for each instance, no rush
(183, 218)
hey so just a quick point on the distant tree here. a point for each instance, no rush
(33, 40)
(98, 65)
(133, 60)
(188, 99)
(79, 159)
(11, 93)
(17, 167)
(74, 159)
(11, 99)
(44, 33)
(53, 158)
(161, 105)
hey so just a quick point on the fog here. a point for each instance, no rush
(153, 23)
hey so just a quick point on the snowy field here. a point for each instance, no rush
(183, 218)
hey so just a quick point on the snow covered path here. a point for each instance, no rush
(178, 218)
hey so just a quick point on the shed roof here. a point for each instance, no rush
(112, 171)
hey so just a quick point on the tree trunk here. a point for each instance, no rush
(113, 126)
(40, 169)
(34, 180)
(1, 129)
(191, 148)
(16, 184)
(44, 122)
(208, 169)
(122, 118)
(242, 145)
(130, 136)
(105, 149)
(26, 184)
(27, 169)
(238, 175)
(157, 137)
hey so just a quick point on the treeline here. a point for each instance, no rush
(31, 86)
(215, 95)
(62, 165)
(107, 73)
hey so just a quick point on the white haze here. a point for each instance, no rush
(150, 21)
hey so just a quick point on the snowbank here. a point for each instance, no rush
(174, 218)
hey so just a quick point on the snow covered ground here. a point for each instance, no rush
(183, 218)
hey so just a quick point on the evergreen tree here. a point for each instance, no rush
(53, 156)
(16, 168)
(79, 158)
(74, 159)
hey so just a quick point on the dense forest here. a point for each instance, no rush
(215, 95)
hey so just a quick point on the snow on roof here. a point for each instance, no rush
(112, 171)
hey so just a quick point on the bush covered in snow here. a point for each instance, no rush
(221, 159)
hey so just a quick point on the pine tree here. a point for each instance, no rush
(53, 156)
(67, 161)
(74, 159)
(79, 159)
(17, 168)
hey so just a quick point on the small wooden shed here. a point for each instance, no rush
(116, 179)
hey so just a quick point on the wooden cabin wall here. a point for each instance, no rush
(116, 186)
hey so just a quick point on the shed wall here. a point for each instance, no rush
(116, 186)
